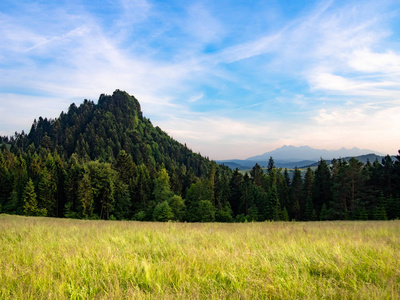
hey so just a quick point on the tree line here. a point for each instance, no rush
(107, 161)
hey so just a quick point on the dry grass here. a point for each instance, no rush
(76, 259)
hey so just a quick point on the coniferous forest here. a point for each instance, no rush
(107, 161)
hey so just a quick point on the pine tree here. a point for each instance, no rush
(314, 216)
(47, 190)
(141, 189)
(284, 189)
(30, 203)
(296, 195)
(85, 196)
(271, 165)
(308, 182)
(272, 210)
(5, 182)
(322, 185)
(125, 166)
(284, 214)
(309, 209)
(256, 174)
(380, 213)
(253, 215)
(245, 202)
(212, 179)
(324, 212)
(123, 204)
(20, 180)
(235, 191)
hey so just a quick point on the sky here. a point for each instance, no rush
(231, 79)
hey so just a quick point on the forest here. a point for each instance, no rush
(107, 161)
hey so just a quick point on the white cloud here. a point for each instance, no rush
(365, 126)
(364, 60)
(360, 87)
(216, 136)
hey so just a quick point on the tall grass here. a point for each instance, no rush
(77, 259)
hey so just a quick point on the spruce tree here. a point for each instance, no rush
(272, 210)
(322, 186)
(235, 191)
(30, 203)
(123, 204)
(85, 196)
(296, 195)
(309, 209)
(271, 165)
(256, 174)
(5, 182)
(125, 166)
(284, 214)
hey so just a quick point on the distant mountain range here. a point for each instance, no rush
(291, 156)
(292, 153)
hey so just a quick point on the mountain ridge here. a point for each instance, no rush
(293, 154)
(303, 156)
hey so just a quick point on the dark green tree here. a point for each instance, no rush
(271, 165)
(20, 174)
(322, 186)
(125, 166)
(309, 210)
(6, 185)
(273, 205)
(284, 215)
(296, 195)
(74, 174)
(256, 174)
(123, 204)
(235, 191)
(30, 203)
(86, 195)
(103, 178)
(142, 189)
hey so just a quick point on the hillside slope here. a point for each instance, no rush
(100, 131)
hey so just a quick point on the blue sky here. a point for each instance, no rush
(231, 79)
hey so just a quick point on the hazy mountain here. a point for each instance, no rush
(295, 154)
(248, 164)
(291, 156)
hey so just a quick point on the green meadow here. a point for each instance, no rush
(46, 258)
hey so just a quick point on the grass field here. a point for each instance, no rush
(77, 259)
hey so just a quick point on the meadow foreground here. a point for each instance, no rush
(78, 259)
